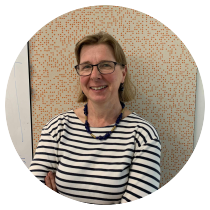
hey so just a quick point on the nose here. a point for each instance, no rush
(95, 73)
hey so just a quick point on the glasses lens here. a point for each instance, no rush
(106, 67)
(84, 69)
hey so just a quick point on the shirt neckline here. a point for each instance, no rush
(111, 125)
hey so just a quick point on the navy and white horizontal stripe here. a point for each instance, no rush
(123, 168)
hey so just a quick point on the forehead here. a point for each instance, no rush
(96, 53)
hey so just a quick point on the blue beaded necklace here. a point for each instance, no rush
(107, 135)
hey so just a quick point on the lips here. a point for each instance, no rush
(99, 87)
(99, 90)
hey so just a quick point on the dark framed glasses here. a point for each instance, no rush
(105, 67)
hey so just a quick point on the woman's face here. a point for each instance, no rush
(94, 54)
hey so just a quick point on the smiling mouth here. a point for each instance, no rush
(98, 88)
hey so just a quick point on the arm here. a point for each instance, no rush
(144, 177)
(46, 156)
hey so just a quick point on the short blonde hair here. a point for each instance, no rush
(129, 91)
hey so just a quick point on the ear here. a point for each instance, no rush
(124, 71)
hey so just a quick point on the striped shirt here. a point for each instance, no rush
(122, 168)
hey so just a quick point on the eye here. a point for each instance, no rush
(105, 65)
(86, 67)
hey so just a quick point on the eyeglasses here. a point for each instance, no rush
(105, 67)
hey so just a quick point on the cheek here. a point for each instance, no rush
(83, 81)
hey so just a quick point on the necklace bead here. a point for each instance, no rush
(107, 135)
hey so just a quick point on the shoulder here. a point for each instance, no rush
(79, 112)
(126, 113)
(58, 119)
(145, 132)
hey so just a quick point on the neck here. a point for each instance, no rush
(103, 114)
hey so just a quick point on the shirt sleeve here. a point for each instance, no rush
(144, 176)
(46, 156)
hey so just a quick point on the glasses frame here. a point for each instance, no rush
(115, 63)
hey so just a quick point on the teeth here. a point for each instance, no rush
(98, 88)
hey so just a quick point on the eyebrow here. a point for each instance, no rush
(88, 62)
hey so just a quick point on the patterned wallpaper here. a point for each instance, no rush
(159, 65)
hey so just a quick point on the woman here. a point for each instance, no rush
(102, 153)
